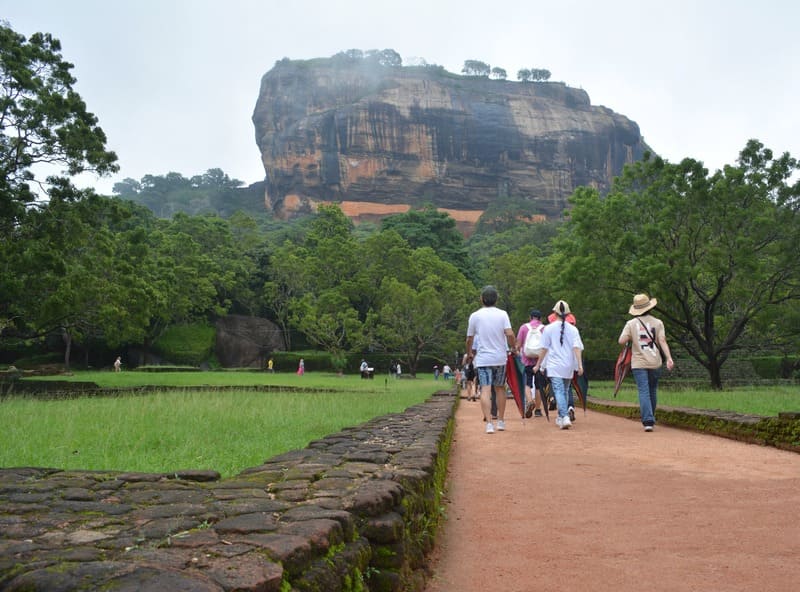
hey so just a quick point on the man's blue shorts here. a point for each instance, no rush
(492, 375)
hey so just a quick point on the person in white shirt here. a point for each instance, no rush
(562, 352)
(489, 329)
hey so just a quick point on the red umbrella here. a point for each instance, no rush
(623, 367)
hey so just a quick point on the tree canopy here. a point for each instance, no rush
(427, 227)
(476, 68)
(212, 192)
(533, 74)
(43, 122)
(717, 251)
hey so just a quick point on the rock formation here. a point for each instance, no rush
(244, 342)
(380, 139)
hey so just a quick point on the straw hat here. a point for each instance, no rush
(641, 304)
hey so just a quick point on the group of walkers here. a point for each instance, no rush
(554, 354)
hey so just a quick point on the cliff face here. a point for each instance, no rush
(379, 140)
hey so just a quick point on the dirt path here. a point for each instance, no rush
(606, 506)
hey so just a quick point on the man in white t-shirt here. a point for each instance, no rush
(495, 338)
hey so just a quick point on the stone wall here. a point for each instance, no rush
(356, 510)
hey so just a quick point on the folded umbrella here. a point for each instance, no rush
(547, 395)
(580, 384)
(622, 367)
(515, 379)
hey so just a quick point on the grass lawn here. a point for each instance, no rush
(231, 430)
(767, 401)
(166, 431)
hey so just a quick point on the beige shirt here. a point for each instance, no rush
(645, 352)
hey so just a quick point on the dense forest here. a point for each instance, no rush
(84, 273)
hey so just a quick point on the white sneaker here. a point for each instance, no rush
(489, 427)
(571, 412)
(648, 428)
(501, 425)
(558, 422)
(565, 423)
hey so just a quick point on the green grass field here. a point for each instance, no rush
(767, 401)
(166, 431)
(231, 430)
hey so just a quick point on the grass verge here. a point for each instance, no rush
(765, 401)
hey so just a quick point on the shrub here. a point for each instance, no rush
(767, 366)
(186, 344)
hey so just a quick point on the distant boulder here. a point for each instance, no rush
(245, 342)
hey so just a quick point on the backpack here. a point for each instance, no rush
(533, 342)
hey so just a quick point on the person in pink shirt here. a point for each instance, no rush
(534, 382)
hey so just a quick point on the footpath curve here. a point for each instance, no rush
(606, 506)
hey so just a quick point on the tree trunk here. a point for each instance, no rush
(715, 373)
(67, 336)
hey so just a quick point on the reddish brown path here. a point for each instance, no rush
(606, 506)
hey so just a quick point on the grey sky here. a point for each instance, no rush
(174, 82)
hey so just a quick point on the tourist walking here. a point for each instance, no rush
(649, 351)
(534, 381)
(490, 329)
(570, 318)
(562, 353)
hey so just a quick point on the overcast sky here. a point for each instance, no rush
(174, 82)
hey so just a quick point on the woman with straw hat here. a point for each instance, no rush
(646, 335)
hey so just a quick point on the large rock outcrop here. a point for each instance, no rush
(246, 342)
(380, 139)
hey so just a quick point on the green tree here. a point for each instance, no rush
(540, 74)
(213, 192)
(499, 73)
(285, 283)
(322, 259)
(327, 320)
(215, 179)
(428, 227)
(79, 272)
(127, 188)
(407, 321)
(390, 58)
(219, 261)
(476, 68)
(425, 313)
(718, 251)
(523, 279)
(43, 122)
(524, 75)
